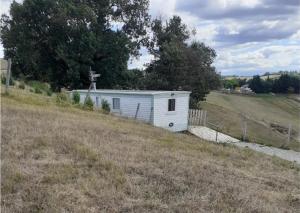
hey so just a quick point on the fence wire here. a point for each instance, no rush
(246, 129)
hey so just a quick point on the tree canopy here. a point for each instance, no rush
(58, 40)
(178, 64)
(286, 83)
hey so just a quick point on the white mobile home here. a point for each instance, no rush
(167, 109)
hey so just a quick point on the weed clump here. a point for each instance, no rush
(89, 104)
(11, 81)
(38, 90)
(40, 87)
(105, 106)
(49, 93)
(76, 97)
(22, 85)
(62, 99)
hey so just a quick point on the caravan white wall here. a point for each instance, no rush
(154, 106)
(128, 104)
(172, 120)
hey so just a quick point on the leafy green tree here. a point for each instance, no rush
(57, 41)
(256, 84)
(231, 83)
(268, 84)
(179, 65)
(287, 83)
(133, 79)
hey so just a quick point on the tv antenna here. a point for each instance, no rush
(93, 78)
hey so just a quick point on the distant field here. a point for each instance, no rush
(271, 76)
(264, 77)
(261, 111)
(60, 158)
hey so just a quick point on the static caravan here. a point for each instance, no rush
(166, 109)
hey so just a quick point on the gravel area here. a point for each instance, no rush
(210, 135)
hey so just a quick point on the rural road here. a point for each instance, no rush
(210, 135)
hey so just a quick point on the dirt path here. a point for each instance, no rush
(210, 135)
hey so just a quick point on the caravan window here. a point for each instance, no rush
(116, 103)
(171, 105)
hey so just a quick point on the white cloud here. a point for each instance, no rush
(165, 8)
(250, 36)
(140, 62)
(262, 58)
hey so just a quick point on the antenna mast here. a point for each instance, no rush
(93, 78)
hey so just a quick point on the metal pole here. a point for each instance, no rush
(137, 111)
(8, 75)
(151, 112)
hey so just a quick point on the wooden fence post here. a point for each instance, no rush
(205, 114)
(193, 117)
(201, 117)
(289, 133)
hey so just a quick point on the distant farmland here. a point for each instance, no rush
(264, 77)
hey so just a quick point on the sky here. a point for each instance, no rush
(250, 36)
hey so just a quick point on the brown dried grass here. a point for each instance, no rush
(58, 159)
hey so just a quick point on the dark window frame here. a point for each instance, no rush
(171, 105)
(116, 105)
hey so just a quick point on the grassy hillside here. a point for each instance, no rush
(261, 111)
(64, 159)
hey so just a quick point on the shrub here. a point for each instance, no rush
(11, 81)
(89, 104)
(22, 85)
(105, 106)
(76, 97)
(3, 79)
(62, 99)
(38, 90)
(40, 87)
(49, 92)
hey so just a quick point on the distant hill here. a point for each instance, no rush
(264, 76)
(268, 116)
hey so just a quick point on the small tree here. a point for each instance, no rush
(76, 97)
(256, 84)
(105, 106)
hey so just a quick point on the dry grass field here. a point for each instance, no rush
(261, 110)
(64, 159)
